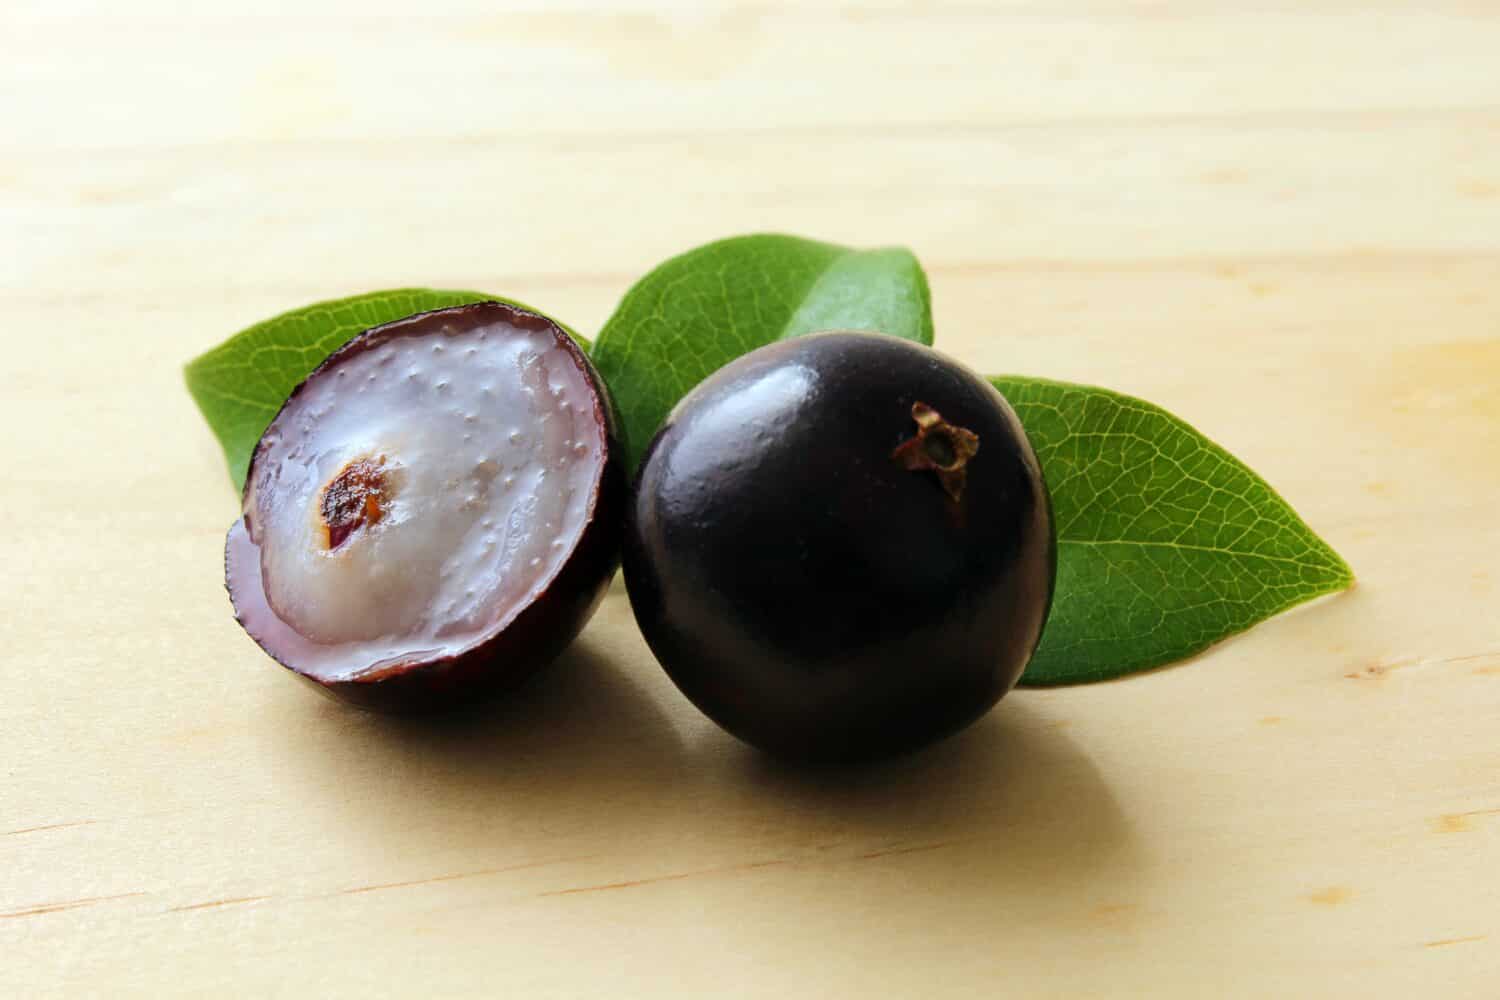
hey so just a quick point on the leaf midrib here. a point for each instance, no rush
(1217, 550)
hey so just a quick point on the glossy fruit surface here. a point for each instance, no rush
(841, 546)
(435, 511)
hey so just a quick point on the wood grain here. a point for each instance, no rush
(1279, 220)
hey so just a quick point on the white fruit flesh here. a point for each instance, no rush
(489, 451)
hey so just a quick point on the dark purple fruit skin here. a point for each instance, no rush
(538, 634)
(805, 591)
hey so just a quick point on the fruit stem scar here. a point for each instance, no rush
(353, 498)
(939, 446)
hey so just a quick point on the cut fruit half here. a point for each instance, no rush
(434, 513)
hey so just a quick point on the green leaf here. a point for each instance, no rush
(1166, 542)
(240, 384)
(697, 312)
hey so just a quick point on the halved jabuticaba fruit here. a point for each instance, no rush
(434, 513)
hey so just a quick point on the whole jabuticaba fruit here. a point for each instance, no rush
(841, 546)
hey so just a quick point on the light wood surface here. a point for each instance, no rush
(1281, 220)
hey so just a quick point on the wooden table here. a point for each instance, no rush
(1279, 220)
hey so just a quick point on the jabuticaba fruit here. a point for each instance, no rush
(841, 546)
(434, 513)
